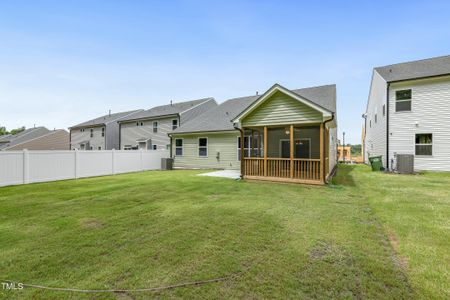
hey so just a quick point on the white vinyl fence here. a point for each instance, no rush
(22, 167)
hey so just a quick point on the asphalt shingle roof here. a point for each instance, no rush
(23, 136)
(169, 109)
(106, 119)
(219, 118)
(416, 69)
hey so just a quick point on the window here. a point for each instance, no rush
(103, 131)
(424, 144)
(142, 123)
(247, 146)
(376, 118)
(155, 127)
(384, 110)
(92, 147)
(127, 147)
(81, 130)
(203, 147)
(92, 132)
(370, 123)
(403, 100)
(178, 147)
(137, 123)
(174, 124)
(99, 147)
(155, 147)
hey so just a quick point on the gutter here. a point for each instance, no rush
(120, 135)
(325, 125)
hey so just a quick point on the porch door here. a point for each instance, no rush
(302, 148)
(285, 149)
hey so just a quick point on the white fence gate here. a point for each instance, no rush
(22, 167)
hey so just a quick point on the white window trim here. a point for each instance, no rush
(154, 147)
(182, 147)
(207, 147)
(432, 145)
(173, 125)
(248, 146)
(153, 126)
(298, 139)
(403, 100)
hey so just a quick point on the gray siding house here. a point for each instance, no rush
(98, 134)
(148, 129)
(408, 112)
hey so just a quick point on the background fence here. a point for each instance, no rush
(22, 167)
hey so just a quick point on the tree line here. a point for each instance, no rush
(3, 130)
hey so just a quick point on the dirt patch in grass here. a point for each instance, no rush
(400, 260)
(91, 224)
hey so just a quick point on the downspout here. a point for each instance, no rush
(324, 147)
(242, 150)
(170, 136)
(387, 126)
(120, 135)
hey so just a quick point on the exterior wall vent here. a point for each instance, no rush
(405, 163)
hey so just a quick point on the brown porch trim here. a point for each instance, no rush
(288, 180)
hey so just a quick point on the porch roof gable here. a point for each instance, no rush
(278, 88)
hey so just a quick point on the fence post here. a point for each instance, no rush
(142, 161)
(76, 159)
(26, 166)
(113, 161)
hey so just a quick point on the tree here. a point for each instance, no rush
(17, 130)
(355, 150)
(3, 130)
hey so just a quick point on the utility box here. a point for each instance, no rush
(405, 163)
(166, 163)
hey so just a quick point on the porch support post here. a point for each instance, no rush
(322, 179)
(242, 152)
(265, 150)
(291, 143)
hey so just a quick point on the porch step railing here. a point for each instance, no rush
(303, 169)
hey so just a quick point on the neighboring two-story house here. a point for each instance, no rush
(149, 129)
(408, 112)
(98, 134)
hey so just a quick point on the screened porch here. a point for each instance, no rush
(290, 153)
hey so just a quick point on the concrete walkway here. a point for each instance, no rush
(233, 174)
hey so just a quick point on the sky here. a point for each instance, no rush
(65, 62)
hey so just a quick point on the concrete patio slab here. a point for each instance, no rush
(232, 174)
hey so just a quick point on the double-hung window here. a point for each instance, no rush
(203, 147)
(92, 132)
(155, 127)
(178, 147)
(247, 147)
(424, 144)
(174, 124)
(403, 100)
(103, 131)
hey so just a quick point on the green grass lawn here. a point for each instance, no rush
(369, 235)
